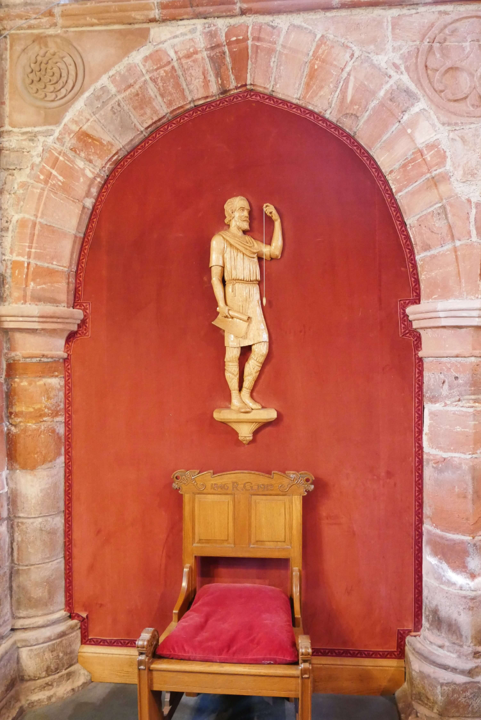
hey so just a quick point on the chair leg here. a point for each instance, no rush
(171, 702)
(149, 701)
(305, 692)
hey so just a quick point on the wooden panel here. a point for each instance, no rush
(354, 676)
(225, 684)
(109, 664)
(271, 521)
(348, 676)
(252, 552)
(214, 520)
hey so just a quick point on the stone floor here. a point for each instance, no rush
(105, 701)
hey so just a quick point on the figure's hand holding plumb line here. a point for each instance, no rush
(271, 212)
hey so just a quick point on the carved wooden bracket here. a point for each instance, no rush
(245, 424)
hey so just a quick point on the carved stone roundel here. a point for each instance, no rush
(50, 72)
(449, 65)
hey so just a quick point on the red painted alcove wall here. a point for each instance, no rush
(147, 379)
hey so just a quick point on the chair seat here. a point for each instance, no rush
(234, 623)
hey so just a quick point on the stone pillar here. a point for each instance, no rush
(444, 662)
(47, 639)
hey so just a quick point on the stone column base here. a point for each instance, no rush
(47, 659)
(439, 683)
(10, 704)
(39, 666)
(34, 693)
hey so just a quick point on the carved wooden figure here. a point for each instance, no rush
(244, 515)
(235, 281)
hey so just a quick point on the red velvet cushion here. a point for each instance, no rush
(234, 624)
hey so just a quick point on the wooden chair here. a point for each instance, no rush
(235, 515)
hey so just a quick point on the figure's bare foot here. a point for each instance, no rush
(238, 404)
(246, 398)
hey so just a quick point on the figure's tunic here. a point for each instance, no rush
(241, 276)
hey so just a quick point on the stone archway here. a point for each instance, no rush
(156, 84)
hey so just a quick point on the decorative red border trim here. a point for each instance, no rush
(405, 331)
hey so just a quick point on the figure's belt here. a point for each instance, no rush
(244, 282)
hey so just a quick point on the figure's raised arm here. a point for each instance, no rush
(277, 241)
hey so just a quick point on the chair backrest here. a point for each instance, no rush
(242, 514)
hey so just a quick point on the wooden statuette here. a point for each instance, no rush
(235, 281)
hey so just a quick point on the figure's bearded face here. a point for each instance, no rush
(241, 217)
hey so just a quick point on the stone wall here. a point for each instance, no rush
(405, 81)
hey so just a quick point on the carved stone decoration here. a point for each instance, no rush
(449, 65)
(50, 72)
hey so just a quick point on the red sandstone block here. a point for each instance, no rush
(65, 174)
(3, 457)
(264, 42)
(94, 144)
(469, 258)
(414, 27)
(453, 429)
(419, 198)
(477, 220)
(260, 7)
(214, 8)
(431, 230)
(449, 381)
(123, 12)
(144, 106)
(327, 63)
(237, 42)
(175, 9)
(52, 208)
(458, 212)
(99, 98)
(394, 149)
(451, 561)
(440, 276)
(385, 115)
(369, 33)
(451, 615)
(38, 284)
(444, 185)
(163, 75)
(410, 172)
(194, 68)
(120, 125)
(419, 165)
(452, 494)
(42, 243)
(216, 55)
(34, 400)
(420, 127)
(294, 52)
(127, 77)
(73, 125)
(362, 85)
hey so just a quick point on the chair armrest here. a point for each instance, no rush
(146, 646)
(304, 648)
(296, 596)
(185, 596)
(305, 654)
